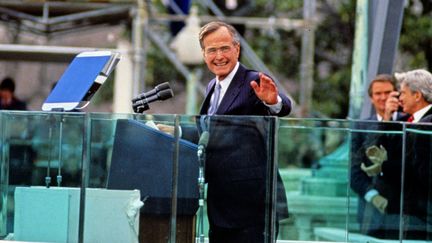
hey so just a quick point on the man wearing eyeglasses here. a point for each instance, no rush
(220, 45)
(237, 90)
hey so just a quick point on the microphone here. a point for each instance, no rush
(202, 143)
(142, 104)
(155, 90)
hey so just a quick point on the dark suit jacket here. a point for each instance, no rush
(240, 98)
(372, 222)
(370, 133)
(399, 117)
(418, 181)
(237, 155)
(16, 104)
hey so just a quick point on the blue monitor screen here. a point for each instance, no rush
(78, 78)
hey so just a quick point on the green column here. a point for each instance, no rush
(360, 61)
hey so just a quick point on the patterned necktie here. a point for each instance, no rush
(214, 102)
(410, 119)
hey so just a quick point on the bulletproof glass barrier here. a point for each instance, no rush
(65, 171)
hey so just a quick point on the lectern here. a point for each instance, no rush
(142, 158)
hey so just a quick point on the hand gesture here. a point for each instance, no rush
(166, 128)
(392, 105)
(380, 203)
(266, 91)
(372, 170)
(376, 155)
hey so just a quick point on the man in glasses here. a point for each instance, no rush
(236, 197)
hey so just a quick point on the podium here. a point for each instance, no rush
(142, 159)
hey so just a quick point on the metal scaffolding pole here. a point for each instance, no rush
(359, 64)
(384, 35)
(307, 59)
(139, 47)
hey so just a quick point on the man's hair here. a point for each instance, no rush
(418, 80)
(381, 78)
(215, 25)
(8, 84)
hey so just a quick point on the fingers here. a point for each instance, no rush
(380, 203)
(372, 170)
(376, 154)
(266, 91)
(392, 103)
(166, 128)
(264, 82)
(254, 85)
(265, 79)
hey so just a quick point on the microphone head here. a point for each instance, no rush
(165, 94)
(162, 86)
(155, 90)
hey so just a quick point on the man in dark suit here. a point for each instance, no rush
(416, 99)
(236, 188)
(237, 151)
(378, 205)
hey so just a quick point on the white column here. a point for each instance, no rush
(123, 80)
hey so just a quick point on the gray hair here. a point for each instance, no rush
(215, 25)
(418, 80)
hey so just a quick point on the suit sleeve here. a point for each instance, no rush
(286, 105)
(360, 182)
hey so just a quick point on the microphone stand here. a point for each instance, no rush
(48, 171)
(59, 174)
(60, 142)
(201, 182)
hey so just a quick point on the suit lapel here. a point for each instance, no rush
(233, 91)
(374, 117)
(205, 105)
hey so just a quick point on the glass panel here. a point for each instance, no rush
(236, 167)
(313, 163)
(133, 154)
(376, 169)
(318, 163)
(4, 183)
(417, 207)
(101, 138)
(41, 150)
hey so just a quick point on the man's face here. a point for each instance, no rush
(408, 99)
(5, 94)
(380, 93)
(220, 53)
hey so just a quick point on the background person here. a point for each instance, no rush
(416, 100)
(379, 198)
(8, 101)
(381, 89)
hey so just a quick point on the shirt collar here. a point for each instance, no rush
(420, 113)
(379, 117)
(394, 116)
